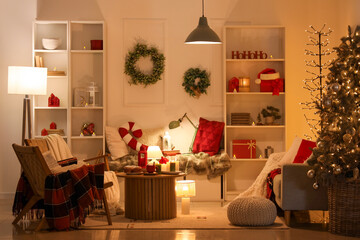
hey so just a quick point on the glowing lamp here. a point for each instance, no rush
(185, 189)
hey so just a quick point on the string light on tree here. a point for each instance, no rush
(338, 133)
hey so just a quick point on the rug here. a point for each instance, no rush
(203, 215)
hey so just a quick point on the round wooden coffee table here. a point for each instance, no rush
(150, 197)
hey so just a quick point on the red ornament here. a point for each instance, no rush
(44, 132)
(53, 101)
(142, 157)
(163, 160)
(52, 125)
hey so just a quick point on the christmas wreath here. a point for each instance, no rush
(137, 77)
(191, 87)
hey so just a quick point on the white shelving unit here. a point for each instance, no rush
(81, 66)
(271, 40)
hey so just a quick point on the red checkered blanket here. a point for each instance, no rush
(68, 194)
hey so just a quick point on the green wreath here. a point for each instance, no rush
(137, 77)
(193, 89)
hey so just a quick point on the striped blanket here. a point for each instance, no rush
(67, 195)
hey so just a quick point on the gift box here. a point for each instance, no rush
(274, 86)
(245, 148)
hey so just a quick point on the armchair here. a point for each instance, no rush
(293, 191)
(36, 169)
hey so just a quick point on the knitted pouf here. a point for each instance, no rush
(251, 211)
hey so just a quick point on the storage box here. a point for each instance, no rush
(274, 86)
(245, 148)
(96, 44)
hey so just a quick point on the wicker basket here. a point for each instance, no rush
(344, 208)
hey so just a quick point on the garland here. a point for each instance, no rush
(137, 77)
(193, 89)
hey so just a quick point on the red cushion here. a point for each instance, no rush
(208, 136)
(304, 151)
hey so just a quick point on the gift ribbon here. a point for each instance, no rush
(250, 144)
(276, 85)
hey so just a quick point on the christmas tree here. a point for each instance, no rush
(337, 155)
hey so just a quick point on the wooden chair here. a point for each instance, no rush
(36, 170)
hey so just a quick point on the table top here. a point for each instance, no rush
(124, 175)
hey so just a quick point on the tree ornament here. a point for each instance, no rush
(351, 131)
(138, 77)
(311, 173)
(337, 170)
(316, 186)
(335, 87)
(196, 81)
(347, 138)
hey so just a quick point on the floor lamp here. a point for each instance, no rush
(28, 81)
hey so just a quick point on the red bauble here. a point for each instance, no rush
(52, 125)
(44, 132)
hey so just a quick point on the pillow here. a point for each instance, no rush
(115, 143)
(50, 160)
(208, 136)
(152, 137)
(293, 151)
(304, 151)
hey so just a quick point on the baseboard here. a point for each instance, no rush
(7, 195)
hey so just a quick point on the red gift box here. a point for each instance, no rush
(96, 44)
(244, 148)
(274, 86)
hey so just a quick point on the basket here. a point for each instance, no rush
(344, 208)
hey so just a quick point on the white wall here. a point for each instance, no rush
(172, 21)
(16, 18)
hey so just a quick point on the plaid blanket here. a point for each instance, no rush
(269, 183)
(67, 195)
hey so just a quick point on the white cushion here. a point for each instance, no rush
(115, 143)
(291, 153)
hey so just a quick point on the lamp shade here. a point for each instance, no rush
(27, 80)
(185, 188)
(154, 152)
(203, 34)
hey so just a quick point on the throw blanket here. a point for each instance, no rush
(199, 163)
(66, 196)
(58, 147)
(270, 183)
(258, 188)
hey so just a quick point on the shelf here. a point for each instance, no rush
(57, 77)
(250, 126)
(87, 137)
(49, 51)
(249, 160)
(50, 108)
(87, 108)
(257, 60)
(252, 93)
(39, 136)
(87, 51)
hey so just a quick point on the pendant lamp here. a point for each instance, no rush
(203, 34)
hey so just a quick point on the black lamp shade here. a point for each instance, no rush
(203, 34)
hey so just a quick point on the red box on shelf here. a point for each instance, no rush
(96, 44)
(245, 148)
(272, 85)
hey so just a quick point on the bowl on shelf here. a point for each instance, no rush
(51, 43)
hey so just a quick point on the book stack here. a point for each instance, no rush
(240, 118)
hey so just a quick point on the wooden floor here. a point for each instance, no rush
(307, 232)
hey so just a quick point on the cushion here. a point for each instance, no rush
(291, 154)
(152, 137)
(251, 211)
(208, 136)
(50, 160)
(115, 143)
(304, 151)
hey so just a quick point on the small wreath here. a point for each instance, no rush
(137, 77)
(191, 87)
